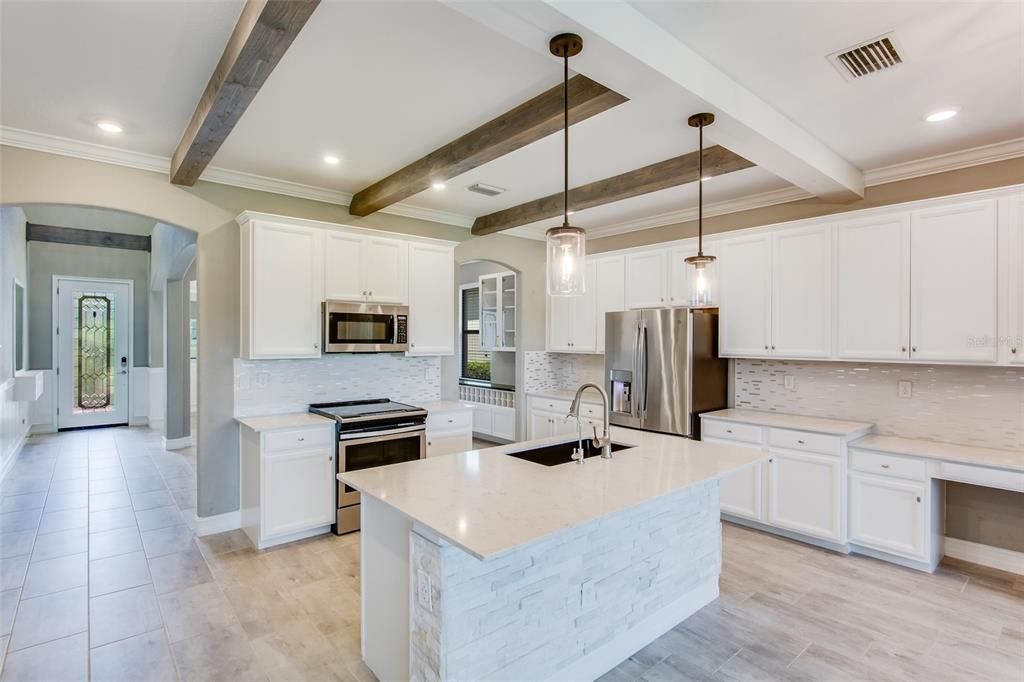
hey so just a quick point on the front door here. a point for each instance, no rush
(92, 351)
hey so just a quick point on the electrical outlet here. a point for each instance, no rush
(906, 388)
(262, 379)
(790, 381)
(423, 590)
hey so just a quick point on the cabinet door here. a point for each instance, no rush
(887, 514)
(802, 292)
(741, 491)
(507, 316)
(386, 268)
(298, 491)
(746, 284)
(953, 281)
(448, 442)
(584, 321)
(872, 261)
(647, 279)
(1011, 274)
(540, 423)
(286, 291)
(489, 298)
(561, 310)
(681, 273)
(503, 422)
(431, 300)
(343, 267)
(804, 493)
(609, 293)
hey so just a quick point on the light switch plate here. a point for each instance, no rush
(790, 382)
(262, 379)
(906, 388)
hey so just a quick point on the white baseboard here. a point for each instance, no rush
(211, 525)
(178, 443)
(138, 421)
(985, 555)
(9, 462)
(41, 429)
(774, 530)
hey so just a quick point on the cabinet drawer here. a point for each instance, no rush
(889, 465)
(551, 405)
(801, 440)
(299, 439)
(590, 411)
(730, 431)
(445, 421)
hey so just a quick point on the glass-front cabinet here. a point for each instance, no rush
(498, 311)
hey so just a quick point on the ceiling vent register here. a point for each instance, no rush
(879, 54)
(486, 190)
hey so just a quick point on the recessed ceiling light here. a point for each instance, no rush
(109, 127)
(332, 160)
(439, 185)
(943, 115)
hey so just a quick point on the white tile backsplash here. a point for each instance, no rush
(264, 387)
(973, 405)
(560, 371)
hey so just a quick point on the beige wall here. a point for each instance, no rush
(986, 176)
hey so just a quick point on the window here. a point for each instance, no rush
(476, 364)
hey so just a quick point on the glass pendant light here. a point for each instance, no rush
(567, 245)
(700, 289)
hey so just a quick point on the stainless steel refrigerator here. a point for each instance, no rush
(662, 368)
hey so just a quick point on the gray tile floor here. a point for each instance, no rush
(102, 577)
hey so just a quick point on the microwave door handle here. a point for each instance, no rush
(375, 435)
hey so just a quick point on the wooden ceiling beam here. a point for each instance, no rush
(264, 32)
(673, 172)
(516, 128)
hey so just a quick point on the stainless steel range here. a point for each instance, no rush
(371, 433)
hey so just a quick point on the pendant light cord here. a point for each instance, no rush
(700, 193)
(565, 139)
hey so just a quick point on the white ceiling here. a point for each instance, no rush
(382, 83)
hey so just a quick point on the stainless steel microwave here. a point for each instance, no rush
(365, 327)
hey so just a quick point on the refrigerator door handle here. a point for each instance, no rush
(643, 368)
(634, 401)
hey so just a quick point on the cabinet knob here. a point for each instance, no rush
(300, 439)
(766, 347)
(371, 293)
(773, 347)
(801, 442)
(885, 466)
(662, 299)
(770, 460)
(918, 498)
(913, 349)
(1013, 350)
(364, 293)
(728, 430)
(903, 349)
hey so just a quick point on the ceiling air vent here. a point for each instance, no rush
(486, 190)
(878, 54)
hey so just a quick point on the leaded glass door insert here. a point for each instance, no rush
(93, 352)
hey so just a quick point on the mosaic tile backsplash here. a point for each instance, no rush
(981, 406)
(560, 371)
(280, 386)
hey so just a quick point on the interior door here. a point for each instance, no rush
(92, 358)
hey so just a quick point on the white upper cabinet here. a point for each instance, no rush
(801, 292)
(572, 326)
(954, 254)
(497, 295)
(872, 263)
(1011, 295)
(647, 279)
(361, 268)
(681, 273)
(744, 323)
(281, 290)
(609, 286)
(431, 300)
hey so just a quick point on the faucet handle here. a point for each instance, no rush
(577, 455)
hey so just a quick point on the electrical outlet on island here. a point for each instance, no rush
(906, 388)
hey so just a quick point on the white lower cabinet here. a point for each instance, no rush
(888, 514)
(805, 493)
(288, 483)
(449, 432)
(742, 493)
(548, 417)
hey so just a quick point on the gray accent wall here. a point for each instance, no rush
(12, 267)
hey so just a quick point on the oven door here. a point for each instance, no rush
(375, 449)
(364, 328)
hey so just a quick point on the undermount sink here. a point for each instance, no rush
(561, 453)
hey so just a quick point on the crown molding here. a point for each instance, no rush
(941, 163)
(91, 151)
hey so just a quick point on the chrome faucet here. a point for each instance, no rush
(604, 441)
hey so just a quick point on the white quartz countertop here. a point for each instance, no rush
(438, 406)
(835, 427)
(488, 503)
(284, 421)
(947, 452)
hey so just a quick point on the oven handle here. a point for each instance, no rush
(351, 438)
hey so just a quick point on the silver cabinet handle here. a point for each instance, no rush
(885, 466)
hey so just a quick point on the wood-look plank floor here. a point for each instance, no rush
(102, 577)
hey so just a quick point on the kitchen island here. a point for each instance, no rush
(482, 565)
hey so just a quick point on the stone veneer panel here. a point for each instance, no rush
(981, 406)
(526, 615)
(291, 385)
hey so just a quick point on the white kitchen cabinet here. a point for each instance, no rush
(681, 273)
(548, 417)
(801, 305)
(431, 300)
(872, 275)
(497, 311)
(609, 284)
(365, 268)
(646, 279)
(494, 421)
(888, 514)
(281, 290)
(288, 483)
(805, 493)
(449, 431)
(1011, 268)
(742, 492)
(572, 325)
(954, 280)
(744, 322)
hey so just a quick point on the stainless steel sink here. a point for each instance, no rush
(561, 453)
